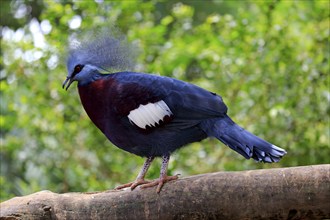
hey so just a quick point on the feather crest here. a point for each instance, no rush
(106, 49)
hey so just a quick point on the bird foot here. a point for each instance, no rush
(160, 182)
(133, 184)
(146, 183)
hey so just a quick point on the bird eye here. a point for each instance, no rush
(78, 68)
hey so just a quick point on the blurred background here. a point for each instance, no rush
(268, 59)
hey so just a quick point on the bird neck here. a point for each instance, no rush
(88, 80)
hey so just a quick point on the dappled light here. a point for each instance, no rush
(268, 60)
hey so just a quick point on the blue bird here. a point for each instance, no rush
(152, 116)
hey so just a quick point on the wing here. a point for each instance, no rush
(151, 101)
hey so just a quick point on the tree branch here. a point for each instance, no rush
(282, 193)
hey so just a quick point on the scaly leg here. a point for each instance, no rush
(163, 176)
(140, 178)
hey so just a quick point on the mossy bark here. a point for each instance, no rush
(282, 193)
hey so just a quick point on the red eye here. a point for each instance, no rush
(78, 68)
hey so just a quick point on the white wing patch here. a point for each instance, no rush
(149, 114)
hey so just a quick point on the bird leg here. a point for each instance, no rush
(163, 176)
(140, 178)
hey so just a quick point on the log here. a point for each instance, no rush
(281, 193)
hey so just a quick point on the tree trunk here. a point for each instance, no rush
(282, 193)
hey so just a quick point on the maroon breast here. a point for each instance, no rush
(95, 98)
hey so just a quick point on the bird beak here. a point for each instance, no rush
(67, 81)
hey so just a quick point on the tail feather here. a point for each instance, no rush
(242, 141)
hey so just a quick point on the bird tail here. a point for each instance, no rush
(242, 141)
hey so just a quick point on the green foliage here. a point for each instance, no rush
(269, 60)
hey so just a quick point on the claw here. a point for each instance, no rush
(146, 183)
(160, 182)
(124, 186)
(133, 184)
(139, 182)
(157, 182)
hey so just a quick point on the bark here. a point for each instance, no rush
(282, 193)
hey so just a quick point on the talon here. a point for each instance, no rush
(124, 186)
(160, 182)
(157, 182)
(133, 185)
(139, 182)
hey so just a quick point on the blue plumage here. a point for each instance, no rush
(197, 114)
(152, 116)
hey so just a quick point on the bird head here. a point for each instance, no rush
(97, 52)
(81, 73)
